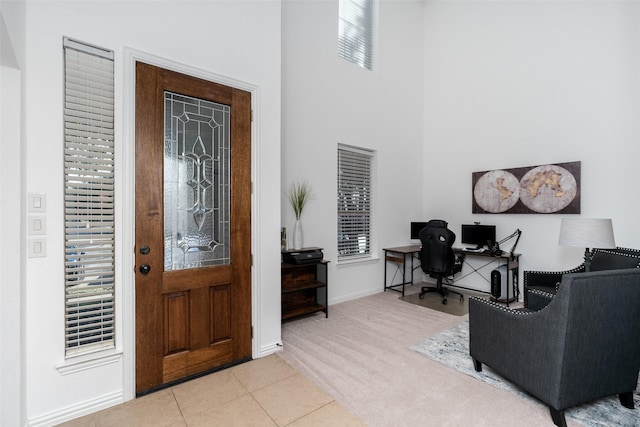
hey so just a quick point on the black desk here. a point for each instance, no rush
(399, 256)
(402, 254)
(512, 261)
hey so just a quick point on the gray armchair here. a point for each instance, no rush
(583, 346)
(541, 286)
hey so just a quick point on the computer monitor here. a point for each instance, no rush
(415, 229)
(479, 235)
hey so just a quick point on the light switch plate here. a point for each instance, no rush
(37, 202)
(37, 247)
(37, 225)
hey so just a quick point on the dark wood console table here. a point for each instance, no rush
(304, 289)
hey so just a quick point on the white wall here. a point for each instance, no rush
(503, 84)
(326, 101)
(12, 40)
(10, 225)
(238, 40)
(513, 84)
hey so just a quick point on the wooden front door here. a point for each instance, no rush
(193, 226)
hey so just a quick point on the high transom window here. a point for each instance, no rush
(356, 32)
(88, 198)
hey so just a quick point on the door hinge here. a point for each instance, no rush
(252, 331)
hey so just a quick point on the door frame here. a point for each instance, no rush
(125, 215)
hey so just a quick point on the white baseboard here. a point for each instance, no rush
(270, 349)
(354, 296)
(76, 411)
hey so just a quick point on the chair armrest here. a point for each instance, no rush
(547, 278)
(521, 346)
(538, 299)
(544, 282)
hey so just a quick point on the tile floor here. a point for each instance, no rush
(263, 392)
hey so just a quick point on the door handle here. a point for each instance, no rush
(144, 250)
(145, 268)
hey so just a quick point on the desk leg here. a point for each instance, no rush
(384, 283)
(508, 274)
(411, 255)
(401, 262)
(513, 273)
(404, 272)
(516, 282)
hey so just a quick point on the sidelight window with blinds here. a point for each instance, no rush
(354, 202)
(88, 198)
(356, 31)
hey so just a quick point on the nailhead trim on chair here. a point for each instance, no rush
(635, 253)
(544, 293)
(616, 251)
(578, 269)
(502, 307)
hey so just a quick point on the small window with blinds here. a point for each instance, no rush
(356, 32)
(354, 202)
(88, 198)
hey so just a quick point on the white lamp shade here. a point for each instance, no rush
(587, 233)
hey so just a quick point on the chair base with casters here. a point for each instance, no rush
(439, 289)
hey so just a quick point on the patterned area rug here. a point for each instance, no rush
(451, 348)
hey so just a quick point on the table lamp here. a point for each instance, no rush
(587, 233)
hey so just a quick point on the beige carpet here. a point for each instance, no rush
(360, 355)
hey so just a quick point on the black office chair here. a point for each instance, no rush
(437, 258)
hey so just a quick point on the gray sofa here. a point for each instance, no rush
(583, 346)
(541, 286)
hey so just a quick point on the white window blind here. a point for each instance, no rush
(354, 202)
(355, 32)
(88, 198)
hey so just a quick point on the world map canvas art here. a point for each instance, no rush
(545, 189)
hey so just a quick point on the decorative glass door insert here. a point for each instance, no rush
(196, 183)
